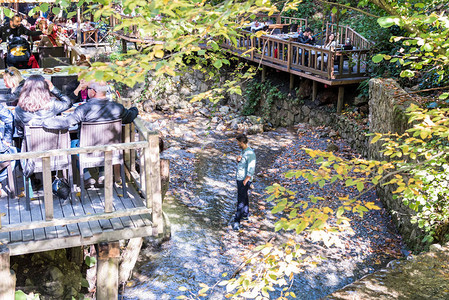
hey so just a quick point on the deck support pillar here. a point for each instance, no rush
(124, 46)
(292, 81)
(341, 94)
(264, 73)
(107, 270)
(314, 90)
(8, 277)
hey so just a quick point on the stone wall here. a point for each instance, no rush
(388, 115)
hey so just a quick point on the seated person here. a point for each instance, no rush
(348, 45)
(329, 44)
(40, 25)
(50, 39)
(5, 142)
(14, 82)
(97, 109)
(39, 100)
(307, 37)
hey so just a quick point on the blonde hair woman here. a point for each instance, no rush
(14, 82)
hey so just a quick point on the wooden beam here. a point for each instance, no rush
(8, 278)
(153, 182)
(341, 94)
(292, 81)
(75, 219)
(34, 246)
(314, 90)
(107, 270)
(108, 182)
(73, 151)
(48, 191)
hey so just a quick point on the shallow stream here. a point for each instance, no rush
(201, 203)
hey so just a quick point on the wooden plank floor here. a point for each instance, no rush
(72, 235)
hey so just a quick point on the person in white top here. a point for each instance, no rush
(329, 44)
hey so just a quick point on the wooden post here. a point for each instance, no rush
(165, 177)
(314, 90)
(77, 255)
(341, 93)
(78, 29)
(48, 191)
(108, 182)
(264, 73)
(153, 182)
(129, 258)
(8, 277)
(107, 270)
(124, 46)
(292, 81)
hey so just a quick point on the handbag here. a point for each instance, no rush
(61, 188)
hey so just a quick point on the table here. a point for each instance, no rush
(28, 72)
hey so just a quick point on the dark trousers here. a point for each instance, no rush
(242, 200)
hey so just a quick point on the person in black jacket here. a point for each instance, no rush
(15, 28)
(39, 100)
(14, 82)
(98, 108)
(307, 37)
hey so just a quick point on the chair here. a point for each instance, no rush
(100, 133)
(51, 52)
(293, 27)
(40, 139)
(65, 82)
(285, 29)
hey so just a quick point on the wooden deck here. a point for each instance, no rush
(340, 67)
(106, 215)
(131, 221)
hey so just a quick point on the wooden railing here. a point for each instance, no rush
(343, 32)
(278, 19)
(291, 55)
(147, 178)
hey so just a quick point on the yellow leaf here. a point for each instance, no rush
(159, 53)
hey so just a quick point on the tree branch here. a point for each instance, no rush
(426, 90)
(349, 7)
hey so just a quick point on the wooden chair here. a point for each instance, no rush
(40, 139)
(100, 133)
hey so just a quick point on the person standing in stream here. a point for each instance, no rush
(244, 177)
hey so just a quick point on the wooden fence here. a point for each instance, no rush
(140, 146)
(290, 55)
(345, 32)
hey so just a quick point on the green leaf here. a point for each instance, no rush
(443, 96)
(218, 64)
(56, 10)
(386, 22)
(90, 261)
(407, 73)
(71, 14)
(360, 186)
(20, 295)
(378, 58)
(9, 13)
(84, 283)
(44, 7)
